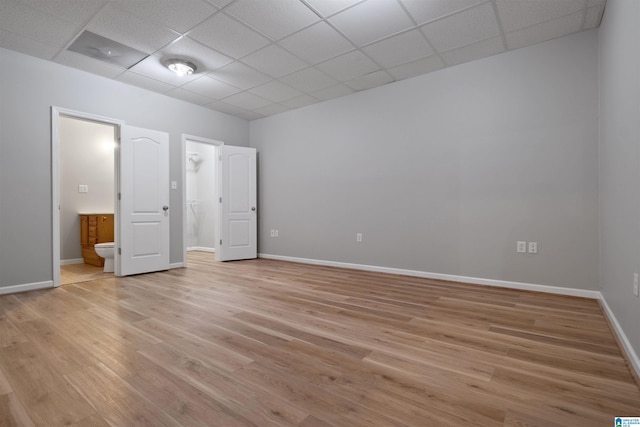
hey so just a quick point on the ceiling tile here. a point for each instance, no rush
(425, 11)
(417, 68)
(271, 109)
(275, 61)
(204, 58)
(210, 87)
(22, 44)
(593, 18)
(474, 51)
(219, 3)
(117, 24)
(33, 24)
(228, 36)
(328, 7)
(239, 75)
(308, 80)
(250, 115)
(469, 26)
(332, 92)
(545, 31)
(596, 2)
(82, 62)
(275, 18)
(144, 82)
(189, 96)
(369, 81)
(348, 66)
(246, 100)
(76, 11)
(372, 20)
(275, 91)
(223, 107)
(154, 68)
(400, 49)
(300, 101)
(179, 16)
(317, 43)
(515, 15)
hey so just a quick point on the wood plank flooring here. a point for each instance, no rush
(271, 343)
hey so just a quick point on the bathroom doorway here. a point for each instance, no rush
(200, 194)
(86, 171)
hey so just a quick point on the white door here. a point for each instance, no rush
(239, 223)
(144, 201)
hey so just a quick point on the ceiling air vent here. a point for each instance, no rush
(98, 47)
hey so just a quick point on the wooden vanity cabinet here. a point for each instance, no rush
(95, 228)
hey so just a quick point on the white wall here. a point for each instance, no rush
(86, 157)
(201, 181)
(444, 172)
(28, 88)
(620, 162)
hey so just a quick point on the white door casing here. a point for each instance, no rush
(238, 208)
(144, 201)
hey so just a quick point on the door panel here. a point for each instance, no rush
(144, 189)
(238, 230)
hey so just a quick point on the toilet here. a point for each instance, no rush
(105, 250)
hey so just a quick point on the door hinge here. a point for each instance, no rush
(220, 199)
(119, 251)
(220, 241)
(119, 196)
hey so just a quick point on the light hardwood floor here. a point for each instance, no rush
(270, 343)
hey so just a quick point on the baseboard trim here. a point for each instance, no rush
(176, 265)
(71, 261)
(623, 341)
(448, 277)
(26, 287)
(201, 249)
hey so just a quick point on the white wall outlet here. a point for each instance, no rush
(174, 185)
(521, 247)
(273, 233)
(533, 247)
(359, 237)
(83, 188)
(276, 233)
(635, 284)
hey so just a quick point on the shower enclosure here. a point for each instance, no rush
(201, 203)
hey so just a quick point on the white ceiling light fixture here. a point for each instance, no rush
(181, 67)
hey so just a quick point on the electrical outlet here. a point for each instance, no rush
(521, 247)
(635, 284)
(276, 233)
(533, 247)
(273, 233)
(359, 237)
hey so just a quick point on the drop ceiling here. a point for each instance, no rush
(256, 58)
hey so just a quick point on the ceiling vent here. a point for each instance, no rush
(104, 49)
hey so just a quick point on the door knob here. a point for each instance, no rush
(253, 208)
(165, 208)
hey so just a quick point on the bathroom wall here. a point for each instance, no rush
(201, 203)
(87, 158)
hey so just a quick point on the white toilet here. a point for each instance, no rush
(105, 250)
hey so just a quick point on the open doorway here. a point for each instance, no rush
(200, 194)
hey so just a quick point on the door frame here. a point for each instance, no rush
(216, 143)
(56, 113)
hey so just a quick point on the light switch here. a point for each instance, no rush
(174, 185)
(83, 188)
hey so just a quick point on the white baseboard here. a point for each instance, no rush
(631, 354)
(439, 276)
(176, 265)
(71, 261)
(201, 249)
(26, 287)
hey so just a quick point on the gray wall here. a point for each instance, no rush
(620, 162)
(28, 88)
(86, 157)
(444, 172)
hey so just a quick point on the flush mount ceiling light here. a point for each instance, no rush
(180, 67)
